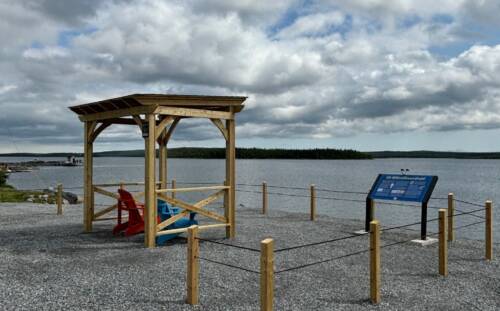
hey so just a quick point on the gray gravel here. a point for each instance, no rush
(47, 263)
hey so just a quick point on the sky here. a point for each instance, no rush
(361, 74)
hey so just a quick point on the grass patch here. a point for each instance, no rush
(9, 194)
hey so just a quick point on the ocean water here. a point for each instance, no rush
(470, 180)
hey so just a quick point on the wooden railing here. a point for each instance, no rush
(197, 207)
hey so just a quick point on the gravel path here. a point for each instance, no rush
(47, 263)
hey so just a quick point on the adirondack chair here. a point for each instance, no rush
(165, 211)
(135, 223)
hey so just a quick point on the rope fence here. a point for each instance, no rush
(267, 272)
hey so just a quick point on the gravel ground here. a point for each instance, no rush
(47, 263)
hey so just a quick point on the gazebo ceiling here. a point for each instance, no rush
(216, 103)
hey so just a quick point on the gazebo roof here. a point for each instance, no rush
(216, 103)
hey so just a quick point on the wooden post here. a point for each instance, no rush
(230, 212)
(88, 191)
(162, 163)
(443, 242)
(264, 198)
(193, 265)
(59, 199)
(313, 203)
(375, 262)
(174, 185)
(451, 215)
(488, 239)
(149, 183)
(266, 275)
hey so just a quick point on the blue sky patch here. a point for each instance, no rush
(66, 36)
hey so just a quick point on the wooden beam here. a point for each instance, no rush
(191, 189)
(88, 209)
(137, 119)
(313, 203)
(117, 113)
(99, 130)
(220, 126)
(171, 130)
(181, 230)
(192, 208)
(230, 199)
(451, 215)
(150, 221)
(162, 163)
(171, 220)
(91, 129)
(106, 193)
(162, 125)
(375, 262)
(199, 204)
(195, 113)
(443, 242)
(488, 239)
(266, 274)
(123, 121)
(104, 211)
(59, 199)
(193, 266)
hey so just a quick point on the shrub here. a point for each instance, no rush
(3, 178)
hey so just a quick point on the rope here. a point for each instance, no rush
(316, 243)
(470, 212)
(74, 187)
(477, 216)
(470, 203)
(322, 261)
(228, 265)
(230, 245)
(341, 191)
(407, 225)
(469, 225)
(302, 196)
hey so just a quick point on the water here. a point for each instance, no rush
(471, 180)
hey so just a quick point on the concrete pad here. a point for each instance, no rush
(427, 242)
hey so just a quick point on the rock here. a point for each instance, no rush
(70, 197)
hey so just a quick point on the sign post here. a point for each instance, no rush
(409, 188)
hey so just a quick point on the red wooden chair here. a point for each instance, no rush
(135, 223)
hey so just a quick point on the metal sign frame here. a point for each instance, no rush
(423, 199)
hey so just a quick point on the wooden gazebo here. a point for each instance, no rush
(158, 115)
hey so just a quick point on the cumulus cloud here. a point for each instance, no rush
(314, 69)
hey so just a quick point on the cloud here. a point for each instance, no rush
(312, 25)
(315, 69)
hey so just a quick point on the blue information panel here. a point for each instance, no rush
(413, 188)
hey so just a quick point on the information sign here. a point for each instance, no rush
(412, 188)
(394, 187)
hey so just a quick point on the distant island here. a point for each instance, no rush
(262, 153)
(434, 154)
(220, 153)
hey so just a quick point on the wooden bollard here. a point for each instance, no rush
(451, 217)
(313, 203)
(488, 239)
(193, 265)
(59, 199)
(443, 242)
(266, 275)
(264, 198)
(374, 261)
(173, 187)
